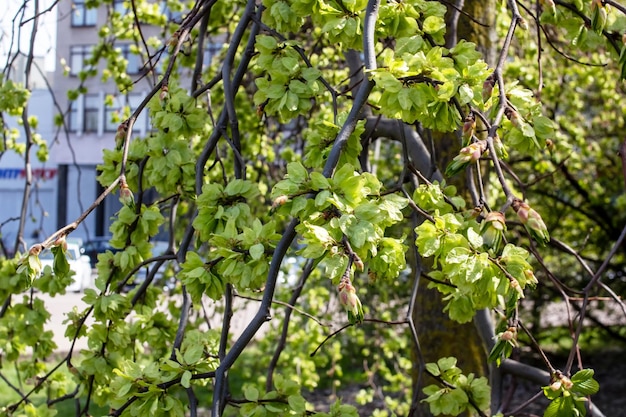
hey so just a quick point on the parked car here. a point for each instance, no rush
(79, 263)
(96, 246)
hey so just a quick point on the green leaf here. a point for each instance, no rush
(297, 403)
(193, 353)
(446, 363)
(404, 99)
(466, 94)
(427, 241)
(257, 251)
(433, 369)
(560, 407)
(185, 380)
(319, 181)
(266, 42)
(311, 74)
(544, 127)
(297, 172)
(584, 384)
(290, 64)
(124, 389)
(251, 393)
(409, 45)
(433, 24)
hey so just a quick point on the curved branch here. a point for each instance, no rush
(263, 314)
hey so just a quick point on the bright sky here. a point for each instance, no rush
(13, 36)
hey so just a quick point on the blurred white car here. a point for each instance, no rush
(79, 263)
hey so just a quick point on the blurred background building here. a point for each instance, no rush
(65, 185)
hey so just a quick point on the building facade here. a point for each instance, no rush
(40, 209)
(66, 184)
(91, 120)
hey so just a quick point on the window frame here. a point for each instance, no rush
(131, 58)
(73, 119)
(82, 16)
(80, 51)
(95, 111)
(118, 107)
(119, 7)
(120, 103)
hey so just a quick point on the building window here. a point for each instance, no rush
(141, 124)
(113, 114)
(90, 114)
(83, 16)
(93, 113)
(74, 116)
(119, 6)
(134, 65)
(121, 108)
(78, 55)
(84, 113)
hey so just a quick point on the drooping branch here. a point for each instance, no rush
(263, 314)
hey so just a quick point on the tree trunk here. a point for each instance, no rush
(438, 335)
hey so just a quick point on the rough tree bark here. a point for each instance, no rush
(438, 335)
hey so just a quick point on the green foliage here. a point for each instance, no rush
(456, 392)
(469, 276)
(426, 84)
(289, 86)
(13, 97)
(229, 163)
(348, 205)
(568, 397)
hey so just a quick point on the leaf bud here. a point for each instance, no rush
(468, 129)
(473, 213)
(466, 156)
(120, 135)
(555, 386)
(522, 23)
(532, 221)
(350, 301)
(61, 242)
(515, 286)
(358, 263)
(499, 147)
(126, 195)
(173, 41)
(279, 201)
(530, 276)
(488, 85)
(513, 116)
(510, 335)
(492, 230)
(163, 95)
(506, 336)
(566, 382)
(35, 250)
(549, 5)
(598, 16)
